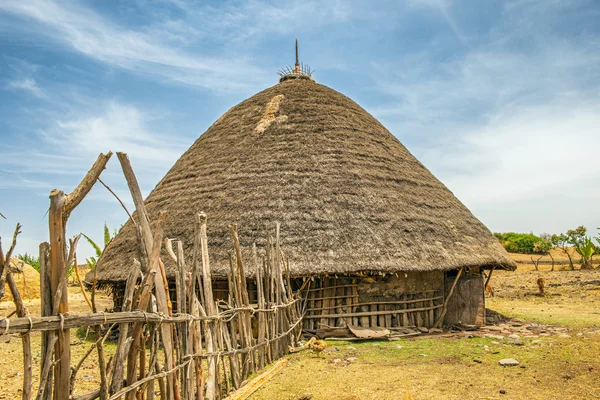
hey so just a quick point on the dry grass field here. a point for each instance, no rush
(558, 349)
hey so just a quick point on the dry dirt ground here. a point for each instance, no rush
(557, 346)
(11, 352)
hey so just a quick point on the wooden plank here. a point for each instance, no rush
(445, 306)
(381, 317)
(372, 313)
(354, 290)
(388, 317)
(387, 302)
(245, 391)
(369, 333)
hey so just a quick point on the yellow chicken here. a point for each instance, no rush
(317, 346)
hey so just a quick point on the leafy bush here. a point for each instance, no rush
(524, 243)
(31, 260)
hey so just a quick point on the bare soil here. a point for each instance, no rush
(11, 352)
(557, 347)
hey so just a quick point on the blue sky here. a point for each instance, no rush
(499, 99)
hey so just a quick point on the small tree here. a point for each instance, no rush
(584, 246)
(561, 241)
(548, 239)
(543, 248)
(91, 262)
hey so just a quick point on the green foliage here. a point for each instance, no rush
(107, 238)
(524, 243)
(586, 250)
(561, 240)
(31, 260)
(584, 246)
(576, 237)
(543, 246)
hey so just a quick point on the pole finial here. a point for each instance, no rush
(298, 71)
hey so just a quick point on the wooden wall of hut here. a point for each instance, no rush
(406, 299)
(467, 304)
(412, 299)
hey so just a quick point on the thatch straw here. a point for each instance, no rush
(349, 196)
(26, 278)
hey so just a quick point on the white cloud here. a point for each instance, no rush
(29, 85)
(537, 150)
(512, 130)
(118, 127)
(88, 33)
(65, 149)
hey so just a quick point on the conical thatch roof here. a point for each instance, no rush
(349, 196)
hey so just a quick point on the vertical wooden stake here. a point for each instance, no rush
(445, 308)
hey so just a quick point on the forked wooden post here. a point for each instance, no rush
(61, 206)
(21, 312)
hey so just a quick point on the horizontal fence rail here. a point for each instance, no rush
(188, 347)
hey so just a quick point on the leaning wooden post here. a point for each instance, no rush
(119, 364)
(487, 281)
(211, 311)
(445, 308)
(261, 306)
(48, 338)
(21, 312)
(61, 206)
(246, 331)
(162, 302)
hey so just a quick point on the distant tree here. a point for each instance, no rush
(561, 241)
(547, 238)
(519, 242)
(583, 244)
(541, 247)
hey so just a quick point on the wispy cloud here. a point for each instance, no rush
(118, 126)
(28, 85)
(85, 31)
(444, 8)
(505, 126)
(65, 148)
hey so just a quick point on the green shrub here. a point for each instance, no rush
(31, 260)
(524, 243)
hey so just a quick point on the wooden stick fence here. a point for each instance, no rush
(333, 302)
(202, 350)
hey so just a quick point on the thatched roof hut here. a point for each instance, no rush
(349, 196)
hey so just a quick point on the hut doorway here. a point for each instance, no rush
(467, 304)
